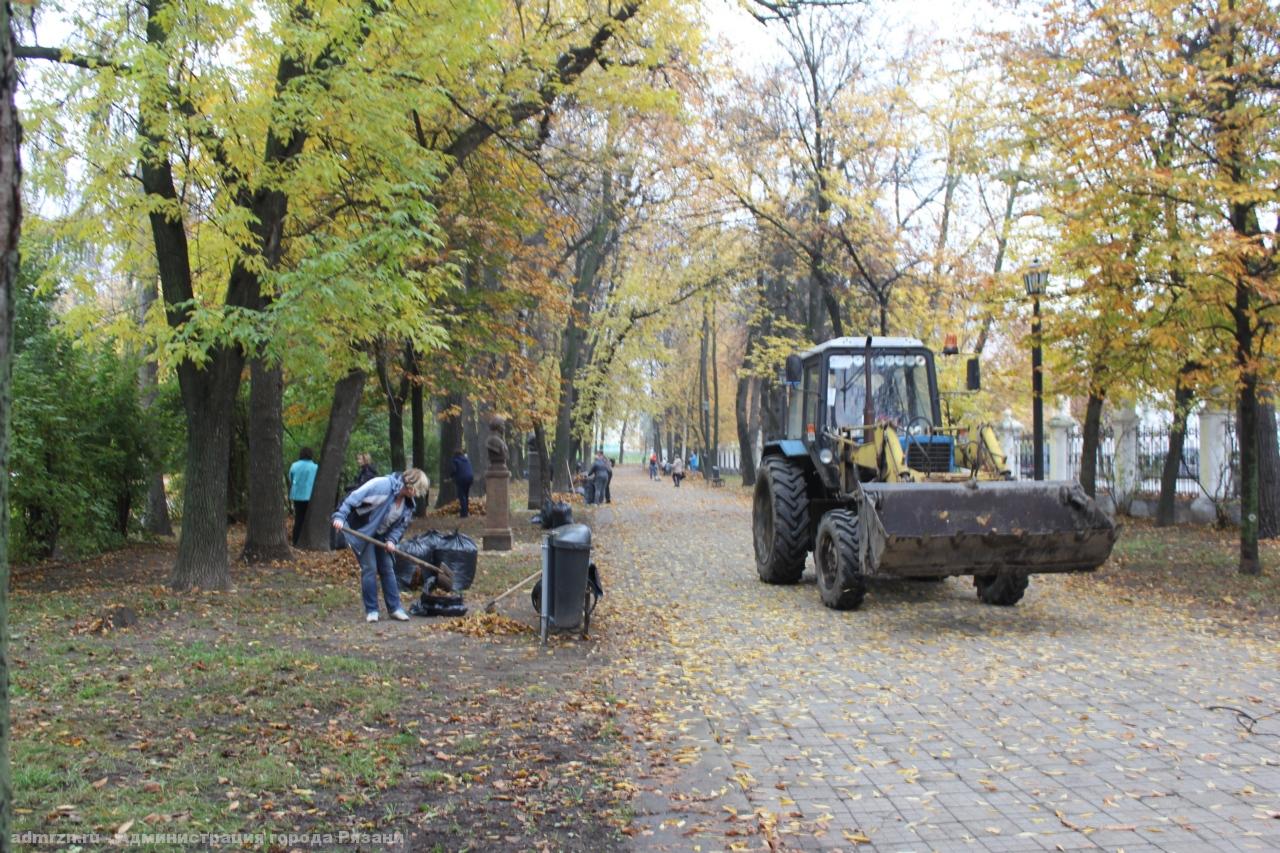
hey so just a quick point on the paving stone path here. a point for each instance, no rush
(926, 720)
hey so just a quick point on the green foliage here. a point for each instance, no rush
(81, 444)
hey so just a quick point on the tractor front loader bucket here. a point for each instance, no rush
(925, 529)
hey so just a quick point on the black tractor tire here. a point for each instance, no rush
(841, 582)
(1002, 590)
(780, 522)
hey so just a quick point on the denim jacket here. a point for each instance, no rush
(376, 498)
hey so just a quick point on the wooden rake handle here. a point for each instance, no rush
(442, 572)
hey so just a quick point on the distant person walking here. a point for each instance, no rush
(381, 509)
(653, 466)
(677, 471)
(463, 476)
(302, 479)
(599, 474)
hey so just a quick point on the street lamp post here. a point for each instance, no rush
(1036, 279)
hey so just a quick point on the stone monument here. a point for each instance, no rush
(535, 473)
(497, 524)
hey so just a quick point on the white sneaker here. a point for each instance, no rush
(371, 616)
(400, 615)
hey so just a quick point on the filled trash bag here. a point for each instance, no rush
(458, 553)
(555, 514)
(442, 605)
(423, 547)
(431, 603)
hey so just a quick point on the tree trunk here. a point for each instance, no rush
(210, 397)
(265, 537)
(746, 441)
(1268, 473)
(622, 441)
(395, 396)
(656, 426)
(475, 437)
(1182, 397)
(704, 386)
(333, 452)
(1247, 435)
(450, 440)
(715, 394)
(544, 461)
(10, 227)
(417, 426)
(1089, 452)
(155, 519)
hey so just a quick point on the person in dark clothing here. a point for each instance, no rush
(599, 474)
(608, 495)
(463, 476)
(367, 472)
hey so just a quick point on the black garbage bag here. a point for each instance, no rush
(442, 605)
(458, 553)
(423, 547)
(555, 514)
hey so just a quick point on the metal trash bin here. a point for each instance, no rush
(566, 562)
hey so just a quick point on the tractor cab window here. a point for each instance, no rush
(811, 376)
(899, 390)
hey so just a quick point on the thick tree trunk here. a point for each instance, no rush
(333, 452)
(10, 227)
(656, 427)
(265, 537)
(1089, 452)
(1182, 397)
(209, 396)
(1268, 473)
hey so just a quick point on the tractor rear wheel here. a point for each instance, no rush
(780, 522)
(1002, 590)
(835, 555)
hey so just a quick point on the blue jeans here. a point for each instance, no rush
(376, 564)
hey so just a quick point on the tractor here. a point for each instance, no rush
(868, 479)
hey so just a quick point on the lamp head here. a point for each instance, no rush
(1036, 279)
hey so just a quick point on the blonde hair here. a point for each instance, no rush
(415, 479)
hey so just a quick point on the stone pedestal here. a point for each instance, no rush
(1009, 431)
(1213, 464)
(1060, 426)
(497, 521)
(1125, 474)
(535, 479)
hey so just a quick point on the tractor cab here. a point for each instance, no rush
(848, 386)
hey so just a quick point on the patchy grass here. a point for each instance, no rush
(1196, 566)
(275, 708)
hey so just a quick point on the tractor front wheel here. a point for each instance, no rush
(780, 522)
(835, 555)
(1003, 590)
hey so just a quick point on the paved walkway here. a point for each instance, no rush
(925, 720)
